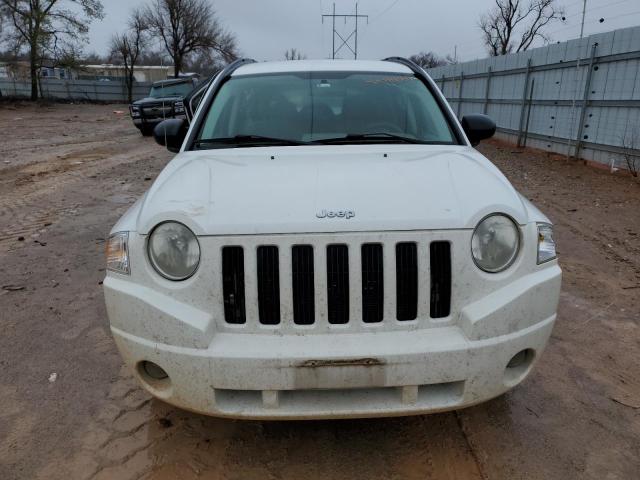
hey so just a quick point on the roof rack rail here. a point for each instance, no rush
(415, 68)
(233, 66)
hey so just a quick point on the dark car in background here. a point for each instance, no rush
(165, 100)
(192, 100)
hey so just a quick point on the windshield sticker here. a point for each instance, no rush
(391, 80)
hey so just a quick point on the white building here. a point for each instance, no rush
(141, 73)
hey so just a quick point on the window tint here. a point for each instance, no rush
(321, 105)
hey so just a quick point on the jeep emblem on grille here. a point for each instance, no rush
(336, 214)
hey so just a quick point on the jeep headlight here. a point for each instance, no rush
(174, 251)
(546, 243)
(135, 111)
(178, 106)
(117, 253)
(495, 243)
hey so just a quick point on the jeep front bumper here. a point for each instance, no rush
(273, 375)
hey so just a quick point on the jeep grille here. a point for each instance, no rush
(336, 262)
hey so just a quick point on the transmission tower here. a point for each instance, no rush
(353, 34)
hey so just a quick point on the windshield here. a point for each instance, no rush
(172, 90)
(356, 107)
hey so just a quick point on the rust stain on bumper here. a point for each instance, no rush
(366, 362)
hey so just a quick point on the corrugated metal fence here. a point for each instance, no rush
(80, 90)
(580, 97)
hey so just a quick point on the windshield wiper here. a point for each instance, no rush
(245, 141)
(370, 138)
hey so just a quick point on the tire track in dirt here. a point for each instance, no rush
(594, 205)
(48, 146)
(601, 241)
(26, 208)
(114, 440)
(134, 436)
(472, 450)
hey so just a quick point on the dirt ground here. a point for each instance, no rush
(69, 410)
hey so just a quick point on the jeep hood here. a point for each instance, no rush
(285, 190)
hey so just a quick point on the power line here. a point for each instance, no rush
(354, 34)
(596, 8)
(572, 3)
(597, 20)
(384, 11)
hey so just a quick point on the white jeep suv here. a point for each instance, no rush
(328, 243)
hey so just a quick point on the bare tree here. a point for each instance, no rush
(294, 54)
(48, 30)
(430, 59)
(94, 58)
(126, 47)
(513, 25)
(152, 57)
(188, 27)
(631, 144)
(204, 64)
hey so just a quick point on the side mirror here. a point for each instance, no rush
(478, 127)
(171, 133)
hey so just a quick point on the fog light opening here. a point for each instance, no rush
(154, 370)
(519, 358)
(154, 378)
(519, 366)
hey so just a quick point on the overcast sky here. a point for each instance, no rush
(266, 28)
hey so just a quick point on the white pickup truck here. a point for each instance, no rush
(327, 243)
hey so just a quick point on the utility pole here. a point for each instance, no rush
(353, 34)
(584, 10)
(333, 35)
(573, 100)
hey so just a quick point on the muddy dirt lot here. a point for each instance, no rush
(70, 411)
